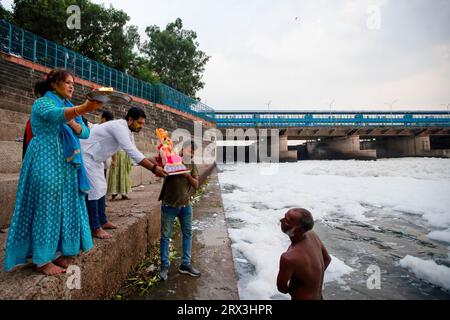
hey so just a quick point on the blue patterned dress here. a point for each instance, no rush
(50, 214)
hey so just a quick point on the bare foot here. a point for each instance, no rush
(124, 197)
(51, 270)
(101, 234)
(109, 225)
(63, 262)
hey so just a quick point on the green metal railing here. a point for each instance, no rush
(19, 42)
(171, 97)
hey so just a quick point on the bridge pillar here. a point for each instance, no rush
(274, 148)
(233, 154)
(393, 147)
(267, 149)
(339, 148)
(287, 155)
(411, 146)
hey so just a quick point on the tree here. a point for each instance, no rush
(45, 18)
(170, 56)
(104, 35)
(142, 69)
(4, 14)
(174, 55)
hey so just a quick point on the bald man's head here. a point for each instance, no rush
(303, 217)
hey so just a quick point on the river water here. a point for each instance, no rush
(387, 217)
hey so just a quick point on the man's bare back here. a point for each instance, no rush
(303, 265)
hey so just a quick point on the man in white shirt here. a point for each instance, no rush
(104, 141)
(106, 116)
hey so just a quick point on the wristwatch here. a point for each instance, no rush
(153, 170)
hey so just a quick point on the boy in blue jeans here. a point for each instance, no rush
(175, 200)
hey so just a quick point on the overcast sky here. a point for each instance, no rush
(363, 54)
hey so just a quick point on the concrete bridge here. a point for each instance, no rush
(338, 135)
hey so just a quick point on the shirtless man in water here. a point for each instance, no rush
(303, 265)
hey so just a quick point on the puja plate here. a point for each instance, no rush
(109, 97)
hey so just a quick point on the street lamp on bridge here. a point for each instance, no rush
(331, 104)
(391, 104)
(390, 107)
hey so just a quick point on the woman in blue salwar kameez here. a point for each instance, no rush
(50, 222)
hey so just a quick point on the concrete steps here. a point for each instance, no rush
(14, 106)
(19, 96)
(16, 99)
(16, 91)
(11, 131)
(11, 116)
(18, 84)
(105, 268)
(12, 124)
(24, 82)
(10, 156)
(11, 66)
(8, 188)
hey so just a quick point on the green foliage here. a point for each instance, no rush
(46, 18)
(146, 274)
(195, 199)
(104, 35)
(5, 14)
(170, 56)
(173, 54)
(141, 69)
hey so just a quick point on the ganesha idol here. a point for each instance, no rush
(167, 158)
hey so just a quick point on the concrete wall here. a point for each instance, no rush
(8, 189)
(339, 148)
(232, 154)
(420, 146)
(440, 142)
(287, 155)
(442, 153)
(254, 152)
(395, 147)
